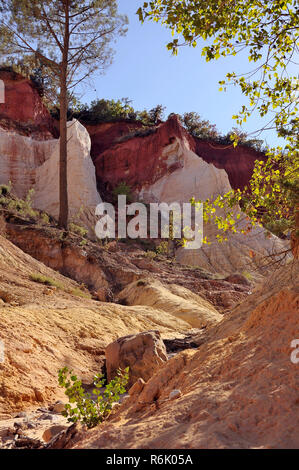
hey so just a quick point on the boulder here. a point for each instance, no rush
(59, 407)
(52, 432)
(173, 299)
(137, 387)
(143, 353)
(238, 279)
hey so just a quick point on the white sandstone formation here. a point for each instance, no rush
(82, 188)
(33, 164)
(19, 158)
(203, 180)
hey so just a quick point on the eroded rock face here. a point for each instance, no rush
(238, 390)
(34, 164)
(143, 353)
(177, 300)
(82, 191)
(20, 156)
(24, 107)
(141, 160)
(169, 165)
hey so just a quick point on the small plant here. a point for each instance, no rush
(47, 281)
(80, 293)
(87, 409)
(163, 248)
(45, 218)
(78, 229)
(5, 189)
(150, 254)
(122, 189)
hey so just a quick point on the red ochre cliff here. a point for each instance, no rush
(23, 109)
(119, 155)
(122, 150)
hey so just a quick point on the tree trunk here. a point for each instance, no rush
(63, 101)
(63, 194)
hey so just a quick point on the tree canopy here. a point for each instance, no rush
(68, 40)
(268, 32)
(34, 36)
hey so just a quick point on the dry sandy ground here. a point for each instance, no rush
(44, 329)
(239, 389)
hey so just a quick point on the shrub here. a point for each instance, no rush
(122, 189)
(163, 248)
(47, 281)
(88, 410)
(45, 218)
(78, 229)
(5, 189)
(80, 293)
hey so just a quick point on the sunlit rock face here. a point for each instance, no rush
(163, 163)
(32, 164)
(23, 108)
(121, 152)
(82, 192)
(238, 162)
(19, 157)
(137, 159)
(199, 179)
(169, 165)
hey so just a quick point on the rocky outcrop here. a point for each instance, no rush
(20, 156)
(107, 272)
(82, 190)
(143, 353)
(23, 108)
(238, 390)
(139, 160)
(33, 164)
(168, 166)
(45, 328)
(178, 300)
(122, 154)
(238, 162)
(106, 134)
(161, 163)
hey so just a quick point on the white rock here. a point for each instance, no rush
(82, 189)
(19, 158)
(33, 164)
(175, 394)
(201, 180)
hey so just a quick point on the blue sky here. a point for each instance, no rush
(146, 72)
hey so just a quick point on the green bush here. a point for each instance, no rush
(88, 410)
(122, 189)
(47, 281)
(5, 189)
(78, 229)
(163, 248)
